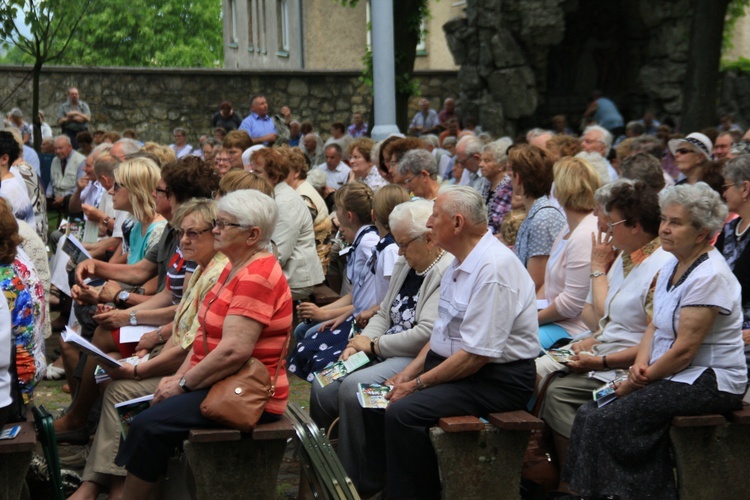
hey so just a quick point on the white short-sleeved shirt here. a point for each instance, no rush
(337, 177)
(5, 353)
(385, 260)
(364, 291)
(487, 306)
(707, 283)
(15, 191)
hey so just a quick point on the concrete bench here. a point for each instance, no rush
(712, 455)
(478, 460)
(227, 464)
(15, 459)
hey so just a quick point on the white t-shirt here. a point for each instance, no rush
(5, 353)
(15, 191)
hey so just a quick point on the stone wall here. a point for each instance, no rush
(155, 101)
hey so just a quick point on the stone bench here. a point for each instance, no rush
(712, 455)
(478, 460)
(227, 464)
(15, 459)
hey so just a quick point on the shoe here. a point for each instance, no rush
(78, 436)
(54, 373)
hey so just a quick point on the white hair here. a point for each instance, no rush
(411, 217)
(251, 208)
(470, 144)
(705, 206)
(466, 201)
(416, 160)
(605, 137)
(599, 163)
(317, 178)
(499, 149)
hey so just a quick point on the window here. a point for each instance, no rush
(282, 18)
(422, 45)
(261, 14)
(250, 30)
(233, 38)
(368, 25)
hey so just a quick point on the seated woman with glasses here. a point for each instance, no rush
(248, 313)
(193, 223)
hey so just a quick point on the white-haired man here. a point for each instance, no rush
(474, 364)
(597, 139)
(66, 169)
(468, 155)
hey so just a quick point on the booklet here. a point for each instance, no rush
(101, 376)
(373, 395)
(561, 355)
(338, 369)
(128, 410)
(70, 336)
(10, 432)
(134, 333)
(606, 393)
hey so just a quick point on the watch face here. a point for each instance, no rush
(133, 319)
(123, 295)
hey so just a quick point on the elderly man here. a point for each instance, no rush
(448, 112)
(722, 145)
(295, 135)
(337, 172)
(597, 139)
(259, 124)
(312, 146)
(180, 146)
(358, 128)
(67, 168)
(420, 171)
(468, 155)
(538, 137)
(73, 116)
(425, 121)
(124, 148)
(474, 364)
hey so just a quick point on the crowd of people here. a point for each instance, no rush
(460, 261)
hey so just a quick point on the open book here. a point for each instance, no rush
(100, 375)
(71, 337)
(338, 369)
(128, 410)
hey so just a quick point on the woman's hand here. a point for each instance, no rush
(637, 375)
(113, 319)
(148, 341)
(333, 323)
(746, 336)
(126, 371)
(168, 387)
(364, 317)
(602, 252)
(349, 351)
(625, 387)
(584, 345)
(308, 310)
(360, 343)
(584, 363)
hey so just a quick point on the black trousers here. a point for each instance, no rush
(154, 434)
(398, 441)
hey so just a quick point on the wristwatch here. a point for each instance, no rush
(122, 298)
(184, 386)
(133, 319)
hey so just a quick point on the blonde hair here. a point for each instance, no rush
(202, 209)
(164, 153)
(237, 179)
(140, 177)
(576, 181)
(386, 199)
(355, 197)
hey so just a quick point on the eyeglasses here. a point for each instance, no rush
(610, 225)
(191, 233)
(220, 224)
(684, 151)
(116, 186)
(407, 180)
(165, 192)
(221, 159)
(404, 246)
(727, 186)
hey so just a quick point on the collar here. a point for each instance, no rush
(472, 261)
(642, 253)
(256, 116)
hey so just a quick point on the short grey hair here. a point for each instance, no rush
(498, 149)
(603, 195)
(466, 201)
(537, 132)
(599, 163)
(101, 148)
(605, 136)
(251, 208)
(411, 217)
(317, 178)
(180, 130)
(450, 140)
(416, 160)
(63, 138)
(16, 113)
(643, 167)
(737, 170)
(705, 206)
(129, 146)
(431, 139)
(471, 145)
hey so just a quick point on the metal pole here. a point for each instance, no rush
(383, 70)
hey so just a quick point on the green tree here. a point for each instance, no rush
(52, 25)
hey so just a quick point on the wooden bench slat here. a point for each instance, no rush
(516, 421)
(461, 424)
(741, 417)
(698, 421)
(25, 441)
(282, 429)
(213, 435)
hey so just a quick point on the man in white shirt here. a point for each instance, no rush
(468, 152)
(480, 358)
(67, 168)
(337, 172)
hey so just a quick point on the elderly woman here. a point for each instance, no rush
(689, 362)
(419, 169)
(392, 153)
(363, 170)
(532, 177)
(691, 156)
(247, 314)
(24, 293)
(135, 181)
(566, 278)
(497, 190)
(619, 308)
(242, 179)
(398, 332)
(193, 222)
(733, 240)
(293, 236)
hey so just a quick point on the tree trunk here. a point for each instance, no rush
(405, 38)
(699, 97)
(36, 72)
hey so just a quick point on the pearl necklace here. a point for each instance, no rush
(737, 232)
(442, 252)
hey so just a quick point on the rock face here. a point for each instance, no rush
(156, 101)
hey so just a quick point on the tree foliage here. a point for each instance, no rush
(163, 33)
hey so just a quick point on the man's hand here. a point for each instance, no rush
(85, 269)
(92, 213)
(401, 391)
(82, 183)
(168, 387)
(58, 201)
(286, 113)
(148, 341)
(109, 291)
(121, 372)
(584, 345)
(113, 319)
(581, 363)
(85, 296)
